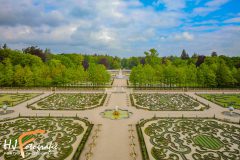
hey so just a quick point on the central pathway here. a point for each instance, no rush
(113, 142)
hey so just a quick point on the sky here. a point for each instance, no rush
(122, 27)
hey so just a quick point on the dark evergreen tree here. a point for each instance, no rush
(214, 54)
(200, 60)
(184, 55)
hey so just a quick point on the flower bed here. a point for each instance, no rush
(224, 100)
(166, 102)
(188, 138)
(12, 99)
(70, 101)
(69, 134)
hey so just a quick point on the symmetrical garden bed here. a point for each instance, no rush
(224, 100)
(70, 101)
(165, 102)
(67, 136)
(12, 99)
(189, 139)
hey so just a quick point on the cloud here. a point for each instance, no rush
(184, 36)
(23, 12)
(170, 4)
(119, 27)
(209, 7)
(233, 20)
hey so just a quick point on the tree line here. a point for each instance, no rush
(185, 71)
(34, 67)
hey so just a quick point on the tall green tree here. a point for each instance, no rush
(223, 74)
(8, 73)
(151, 57)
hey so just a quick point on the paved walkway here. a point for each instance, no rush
(113, 138)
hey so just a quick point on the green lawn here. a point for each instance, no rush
(13, 99)
(208, 142)
(224, 100)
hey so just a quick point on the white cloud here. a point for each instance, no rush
(209, 7)
(118, 27)
(184, 36)
(171, 4)
(233, 20)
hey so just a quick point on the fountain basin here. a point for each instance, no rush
(116, 114)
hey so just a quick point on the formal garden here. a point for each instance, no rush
(224, 100)
(66, 136)
(166, 102)
(196, 139)
(70, 101)
(12, 99)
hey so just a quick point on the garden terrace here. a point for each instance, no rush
(69, 134)
(166, 102)
(12, 99)
(70, 101)
(188, 139)
(224, 100)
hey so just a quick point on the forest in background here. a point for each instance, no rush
(184, 71)
(33, 66)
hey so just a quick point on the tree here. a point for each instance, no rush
(34, 50)
(224, 76)
(191, 74)
(195, 55)
(200, 60)
(104, 61)
(18, 75)
(8, 72)
(133, 61)
(151, 57)
(214, 54)
(149, 74)
(1, 74)
(142, 61)
(28, 76)
(209, 76)
(236, 74)
(97, 74)
(184, 55)
(5, 46)
(85, 64)
(137, 75)
(200, 76)
(58, 72)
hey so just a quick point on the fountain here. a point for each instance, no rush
(120, 75)
(230, 112)
(116, 113)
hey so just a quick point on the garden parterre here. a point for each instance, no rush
(224, 100)
(66, 135)
(70, 101)
(166, 102)
(12, 99)
(189, 139)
